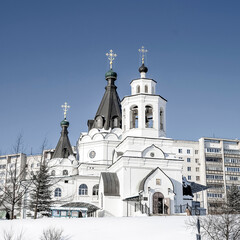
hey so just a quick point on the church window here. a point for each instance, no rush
(148, 117)
(115, 122)
(95, 189)
(83, 189)
(134, 117)
(138, 89)
(53, 173)
(101, 200)
(158, 181)
(124, 119)
(99, 122)
(146, 88)
(65, 172)
(189, 178)
(58, 192)
(161, 119)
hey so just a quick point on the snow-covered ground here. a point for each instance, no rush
(140, 228)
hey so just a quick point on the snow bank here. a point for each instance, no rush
(141, 228)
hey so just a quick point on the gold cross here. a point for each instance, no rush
(111, 56)
(65, 109)
(142, 52)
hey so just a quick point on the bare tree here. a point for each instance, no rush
(9, 235)
(15, 185)
(222, 226)
(53, 234)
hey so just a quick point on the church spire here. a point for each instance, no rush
(109, 113)
(63, 148)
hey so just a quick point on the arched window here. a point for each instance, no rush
(138, 89)
(95, 189)
(124, 119)
(99, 122)
(146, 88)
(53, 173)
(58, 192)
(83, 189)
(65, 172)
(115, 122)
(161, 119)
(134, 117)
(148, 117)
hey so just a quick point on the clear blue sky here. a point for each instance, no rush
(54, 51)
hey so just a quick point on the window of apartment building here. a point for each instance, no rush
(196, 151)
(188, 151)
(216, 177)
(213, 160)
(213, 150)
(179, 150)
(188, 159)
(3, 166)
(197, 169)
(197, 178)
(232, 178)
(232, 169)
(189, 177)
(232, 160)
(196, 160)
(189, 169)
(214, 195)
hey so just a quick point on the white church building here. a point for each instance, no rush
(124, 165)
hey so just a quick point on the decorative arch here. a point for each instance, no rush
(153, 152)
(83, 189)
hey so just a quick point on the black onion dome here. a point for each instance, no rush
(143, 68)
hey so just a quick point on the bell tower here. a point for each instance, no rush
(144, 112)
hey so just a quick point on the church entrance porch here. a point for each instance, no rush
(159, 206)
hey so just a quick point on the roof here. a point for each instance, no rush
(141, 186)
(90, 207)
(197, 187)
(109, 108)
(111, 184)
(63, 148)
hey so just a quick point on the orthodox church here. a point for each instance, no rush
(124, 165)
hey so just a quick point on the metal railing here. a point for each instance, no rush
(143, 208)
